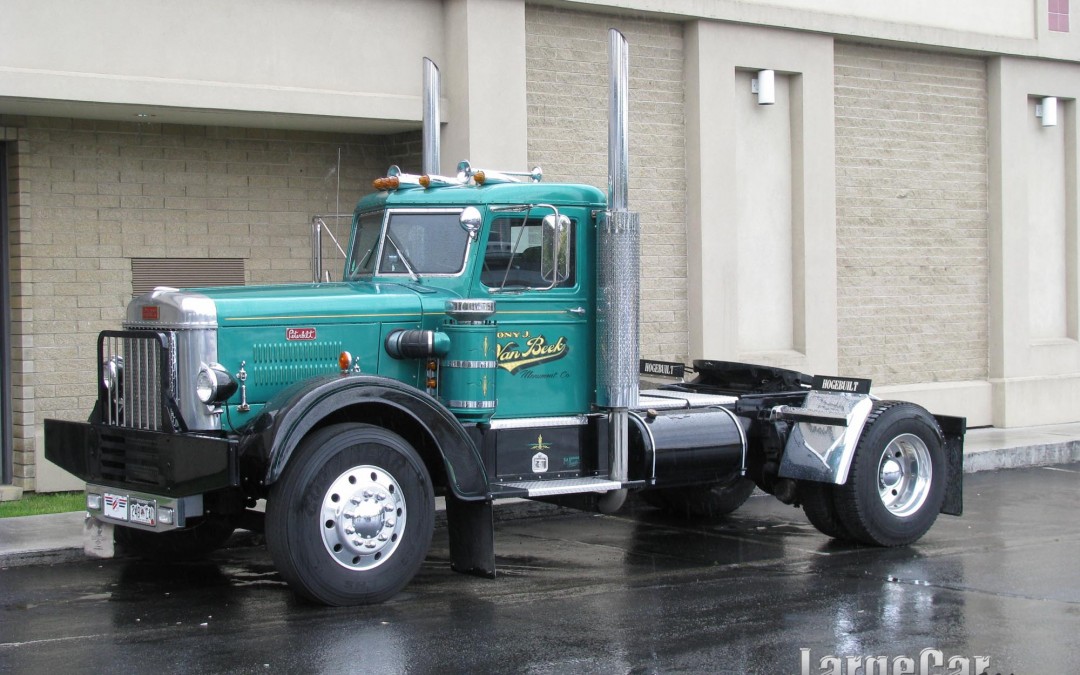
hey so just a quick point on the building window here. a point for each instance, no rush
(1059, 15)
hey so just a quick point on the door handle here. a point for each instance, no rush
(580, 311)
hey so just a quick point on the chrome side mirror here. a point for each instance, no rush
(555, 249)
(471, 220)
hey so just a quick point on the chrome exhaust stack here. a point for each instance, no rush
(432, 94)
(618, 268)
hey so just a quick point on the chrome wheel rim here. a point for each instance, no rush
(904, 475)
(363, 517)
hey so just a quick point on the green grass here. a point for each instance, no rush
(33, 504)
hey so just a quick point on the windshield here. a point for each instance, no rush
(365, 245)
(414, 243)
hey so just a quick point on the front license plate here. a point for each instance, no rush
(143, 512)
(116, 506)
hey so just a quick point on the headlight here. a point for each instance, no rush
(112, 372)
(214, 384)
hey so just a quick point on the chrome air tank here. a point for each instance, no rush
(467, 378)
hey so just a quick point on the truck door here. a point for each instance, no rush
(544, 311)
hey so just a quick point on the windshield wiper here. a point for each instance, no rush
(404, 259)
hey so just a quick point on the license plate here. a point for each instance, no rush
(143, 512)
(116, 506)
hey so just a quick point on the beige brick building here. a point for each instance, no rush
(899, 213)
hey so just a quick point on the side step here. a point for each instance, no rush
(562, 486)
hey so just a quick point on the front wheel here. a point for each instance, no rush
(896, 484)
(350, 521)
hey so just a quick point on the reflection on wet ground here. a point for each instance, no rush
(581, 592)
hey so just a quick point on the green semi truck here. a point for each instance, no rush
(480, 345)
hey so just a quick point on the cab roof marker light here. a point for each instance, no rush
(396, 180)
(432, 181)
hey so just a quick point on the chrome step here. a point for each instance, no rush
(563, 486)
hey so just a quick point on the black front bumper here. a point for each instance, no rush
(172, 464)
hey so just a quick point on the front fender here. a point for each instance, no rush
(289, 417)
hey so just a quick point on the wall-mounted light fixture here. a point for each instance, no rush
(764, 85)
(1046, 110)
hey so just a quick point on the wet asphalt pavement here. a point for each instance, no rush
(577, 592)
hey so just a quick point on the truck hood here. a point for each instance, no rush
(280, 304)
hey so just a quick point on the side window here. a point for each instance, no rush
(514, 255)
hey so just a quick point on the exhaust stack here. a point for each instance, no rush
(617, 282)
(432, 94)
(618, 252)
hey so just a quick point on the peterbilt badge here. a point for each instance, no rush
(299, 333)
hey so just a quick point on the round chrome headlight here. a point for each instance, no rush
(112, 372)
(214, 384)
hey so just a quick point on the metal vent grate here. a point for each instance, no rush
(149, 273)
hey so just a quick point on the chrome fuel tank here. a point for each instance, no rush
(686, 446)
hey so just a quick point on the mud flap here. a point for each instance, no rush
(954, 429)
(471, 528)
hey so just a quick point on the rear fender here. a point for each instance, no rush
(823, 452)
(285, 420)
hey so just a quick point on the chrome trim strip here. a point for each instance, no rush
(540, 422)
(469, 364)
(471, 405)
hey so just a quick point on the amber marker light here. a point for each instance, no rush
(344, 361)
(479, 177)
(425, 181)
(386, 183)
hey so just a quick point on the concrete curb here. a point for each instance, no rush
(1022, 458)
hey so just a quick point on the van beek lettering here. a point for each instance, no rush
(512, 357)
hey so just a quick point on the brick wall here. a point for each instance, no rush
(90, 195)
(911, 180)
(566, 86)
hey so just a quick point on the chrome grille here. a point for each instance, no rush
(145, 379)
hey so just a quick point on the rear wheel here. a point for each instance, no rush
(896, 484)
(350, 521)
(702, 501)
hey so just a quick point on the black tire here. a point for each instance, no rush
(896, 484)
(203, 537)
(819, 505)
(335, 556)
(701, 501)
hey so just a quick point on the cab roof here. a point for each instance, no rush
(558, 194)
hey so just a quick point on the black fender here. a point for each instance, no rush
(287, 418)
